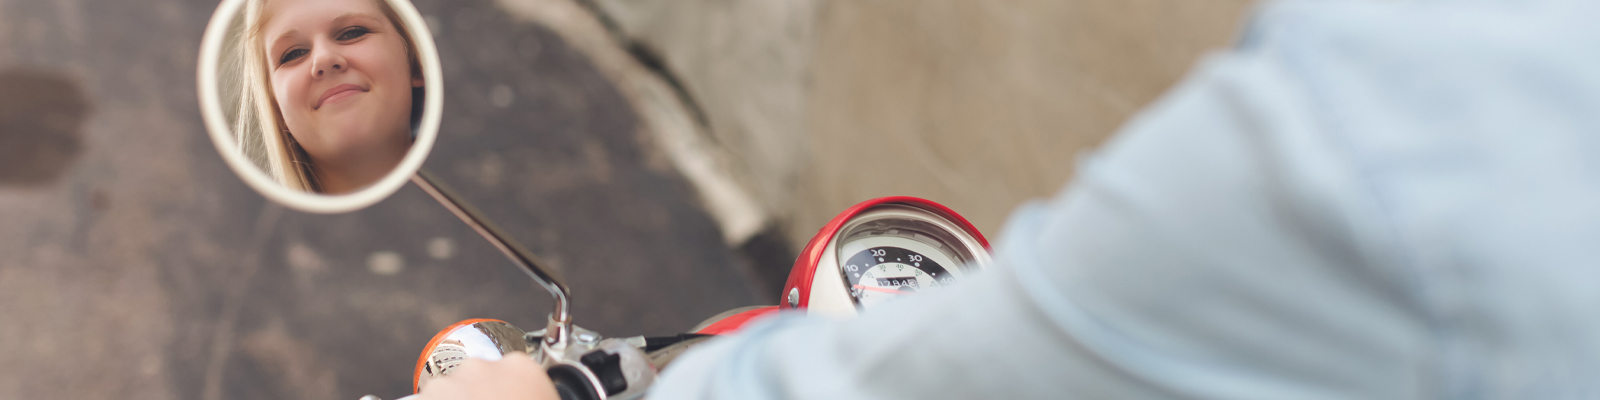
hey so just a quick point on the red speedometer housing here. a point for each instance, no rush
(804, 273)
(806, 266)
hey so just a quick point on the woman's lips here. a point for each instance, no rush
(337, 93)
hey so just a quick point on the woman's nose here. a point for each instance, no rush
(327, 60)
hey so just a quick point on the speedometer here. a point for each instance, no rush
(880, 273)
(883, 250)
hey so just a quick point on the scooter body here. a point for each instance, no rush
(876, 251)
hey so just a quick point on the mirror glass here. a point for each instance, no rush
(322, 105)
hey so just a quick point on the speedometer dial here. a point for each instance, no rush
(894, 253)
(890, 270)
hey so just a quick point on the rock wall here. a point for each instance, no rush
(980, 105)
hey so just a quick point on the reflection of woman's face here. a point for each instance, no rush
(342, 79)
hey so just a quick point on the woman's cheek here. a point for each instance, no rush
(377, 56)
(291, 94)
(295, 87)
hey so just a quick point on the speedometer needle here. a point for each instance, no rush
(879, 289)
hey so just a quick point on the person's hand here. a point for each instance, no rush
(514, 377)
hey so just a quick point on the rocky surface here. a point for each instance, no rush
(980, 105)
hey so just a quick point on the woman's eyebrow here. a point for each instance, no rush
(353, 14)
(281, 37)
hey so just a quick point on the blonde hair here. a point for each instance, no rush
(262, 130)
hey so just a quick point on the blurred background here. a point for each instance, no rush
(668, 156)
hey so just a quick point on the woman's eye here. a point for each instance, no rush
(353, 33)
(291, 55)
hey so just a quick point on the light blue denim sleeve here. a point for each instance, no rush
(1360, 200)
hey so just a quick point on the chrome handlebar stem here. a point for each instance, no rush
(560, 327)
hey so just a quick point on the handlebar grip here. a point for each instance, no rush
(571, 383)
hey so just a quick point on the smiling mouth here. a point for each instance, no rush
(338, 93)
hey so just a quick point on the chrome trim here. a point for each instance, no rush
(967, 251)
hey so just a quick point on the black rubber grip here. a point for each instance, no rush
(571, 384)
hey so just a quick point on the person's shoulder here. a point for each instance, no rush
(1395, 34)
(1373, 69)
(1299, 22)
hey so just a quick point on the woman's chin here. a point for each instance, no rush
(356, 136)
(360, 147)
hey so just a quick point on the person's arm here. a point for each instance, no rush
(1219, 247)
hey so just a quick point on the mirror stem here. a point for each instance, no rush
(561, 319)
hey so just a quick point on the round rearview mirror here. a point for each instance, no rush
(324, 106)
